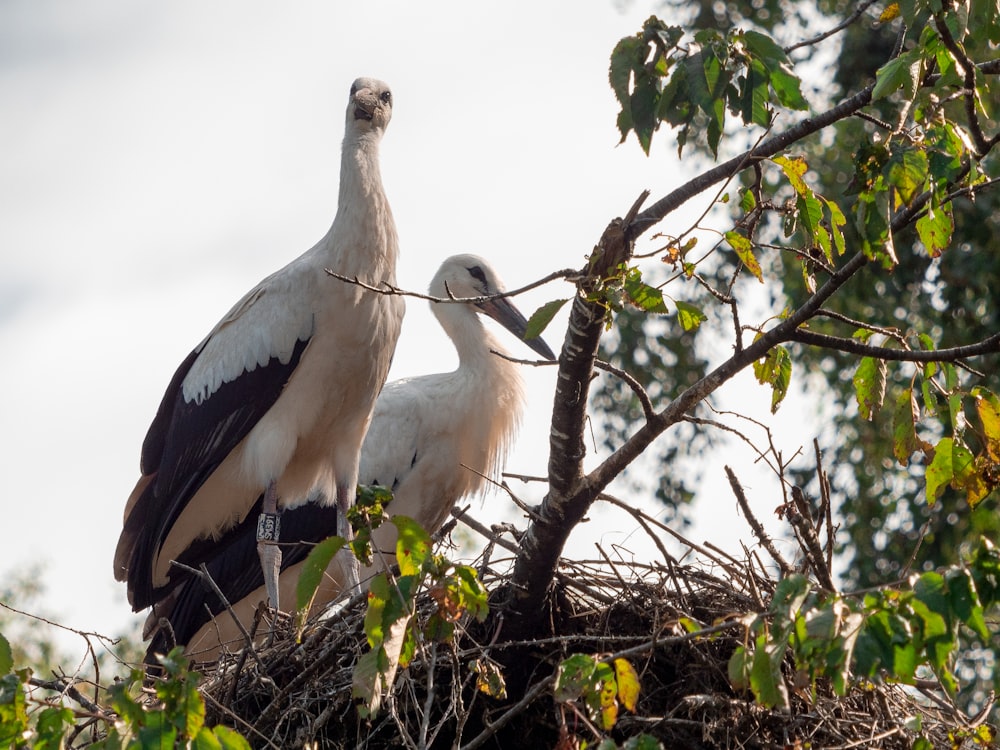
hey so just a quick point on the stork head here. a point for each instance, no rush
(472, 276)
(370, 106)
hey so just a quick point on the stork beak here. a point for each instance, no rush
(364, 105)
(502, 310)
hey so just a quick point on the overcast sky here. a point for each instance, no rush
(158, 159)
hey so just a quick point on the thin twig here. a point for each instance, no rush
(758, 529)
(570, 274)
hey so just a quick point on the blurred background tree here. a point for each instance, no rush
(886, 521)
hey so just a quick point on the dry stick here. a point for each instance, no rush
(63, 687)
(239, 720)
(640, 393)
(206, 578)
(824, 491)
(476, 526)
(799, 518)
(390, 290)
(510, 714)
(758, 529)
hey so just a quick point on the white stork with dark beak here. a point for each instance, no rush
(277, 398)
(432, 441)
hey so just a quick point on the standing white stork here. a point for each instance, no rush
(432, 440)
(277, 398)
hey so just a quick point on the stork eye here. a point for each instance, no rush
(387, 96)
(477, 273)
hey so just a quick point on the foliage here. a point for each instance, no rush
(176, 719)
(893, 633)
(390, 622)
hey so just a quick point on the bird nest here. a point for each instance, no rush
(298, 693)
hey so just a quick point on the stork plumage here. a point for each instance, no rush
(432, 440)
(275, 400)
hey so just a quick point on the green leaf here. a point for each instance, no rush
(413, 545)
(788, 88)
(541, 318)
(766, 680)
(935, 228)
(837, 222)
(689, 316)
(49, 728)
(941, 470)
(904, 432)
(739, 667)
(902, 72)
(230, 739)
(908, 174)
(313, 570)
(627, 55)
(775, 369)
(6, 656)
(810, 212)
(573, 677)
(369, 680)
(643, 296)
(753, 97)
(869, 386)
(964, 602)
(744, 250)
(642, 107)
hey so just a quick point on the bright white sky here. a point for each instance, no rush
(158, 159)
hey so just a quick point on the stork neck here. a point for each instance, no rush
(473, 341)
(363, 233)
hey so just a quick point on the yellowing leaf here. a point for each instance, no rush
(941, 471)
(628, 683)
(904, 436)
(869, 386)
(744, 250)
(413, 545)
(489, 678)
(889, 13)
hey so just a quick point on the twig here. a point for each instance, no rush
(758, 529)
(640, 392)
(64, 687)
(858, 12)
(800, 517)
(492, 728)
(989, 345)
(570, 274)
(202, 574)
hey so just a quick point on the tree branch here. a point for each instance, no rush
(989, 345)
(670, 202)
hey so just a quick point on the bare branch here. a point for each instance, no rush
(989, 345)
(858, 12)
(758, 529)
(637, 389)
(389, 290)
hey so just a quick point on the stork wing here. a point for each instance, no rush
(217, 395)
(234, 566)
(393, 442)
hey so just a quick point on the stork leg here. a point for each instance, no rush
(352, 570)
(268, 528)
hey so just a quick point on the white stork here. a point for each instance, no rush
(277, 398)
(432, 440)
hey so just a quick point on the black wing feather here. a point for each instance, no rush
(233, 564)
(184, 451)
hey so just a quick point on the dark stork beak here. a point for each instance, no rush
(502, 310)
